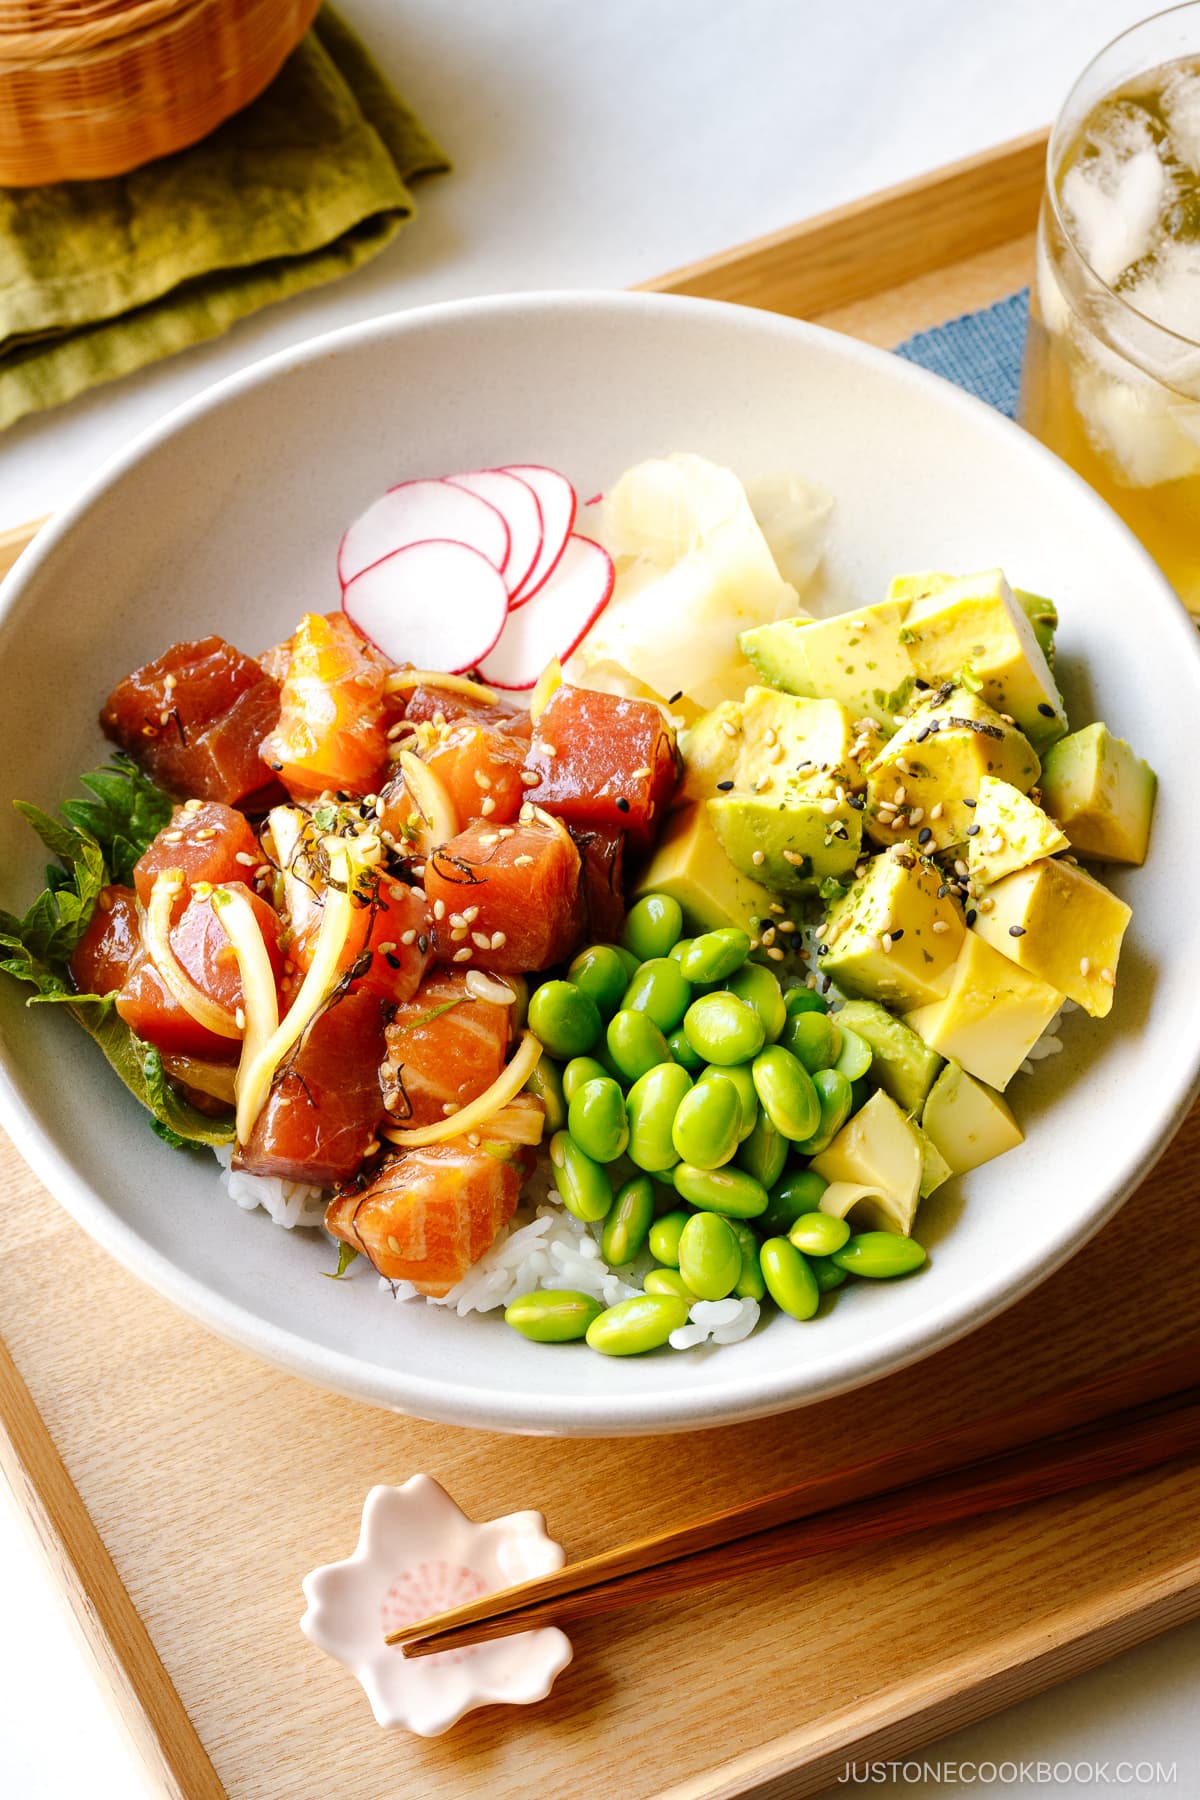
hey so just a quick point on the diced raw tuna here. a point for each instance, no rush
(325, 1104)
(477, 764)
(602, 883)
(194, 719)
(112, 942)
(426, 705)
(430, 1214)
(205, 841)
(332, 730)
(521, 891)
(443, 1048)
(604, 763)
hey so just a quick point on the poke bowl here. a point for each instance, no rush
(225, 522)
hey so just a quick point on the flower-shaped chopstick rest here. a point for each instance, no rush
(418, 1554)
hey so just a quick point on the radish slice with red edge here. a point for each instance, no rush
(438, 604)
(555, 621)
(415, 512)
(518, 504)
(556, 497)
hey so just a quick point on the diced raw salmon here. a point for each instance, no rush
(332, 730)
(430, 1214)
(480, 768)
(194, 720)
(205, 841)
(604, 763)
(444, 1048)
(112, 941)
(521, 890)
(389, 943)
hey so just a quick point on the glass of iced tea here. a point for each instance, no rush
(1111, 379)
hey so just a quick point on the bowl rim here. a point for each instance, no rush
(583, 1414)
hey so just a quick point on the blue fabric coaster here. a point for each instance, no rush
(981, 351)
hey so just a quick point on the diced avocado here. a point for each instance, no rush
(877, 1149)
(968, 1122)
(915, 587)
(903, 1065)
(710, 752)
(855, 657)
(992, 1015)
(1012, 833)
(690, 865)
(934, 1167)
(789, 841)
(1043, 616)
(1101, 794)
(974, 622)
(1061, 925)
(926, 775)
(896, 898)
(765, 741)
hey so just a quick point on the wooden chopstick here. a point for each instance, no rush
(981, 1467)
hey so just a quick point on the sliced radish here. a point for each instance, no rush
(415, 512)
(438, 604)
(556, 620)
(518, 504)
(556, 497)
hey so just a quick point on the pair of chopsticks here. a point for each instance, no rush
(1114, 1426)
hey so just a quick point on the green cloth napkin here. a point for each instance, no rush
(99, 278)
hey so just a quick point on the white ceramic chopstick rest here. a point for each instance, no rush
(418, 1554)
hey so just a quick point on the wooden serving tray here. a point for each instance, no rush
(181, 1489)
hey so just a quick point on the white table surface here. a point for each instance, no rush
(598, 145)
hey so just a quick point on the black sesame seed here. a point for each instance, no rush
(823, 950)
(924, 835)
(972, 830)
(970, 803)
(1016, 931)
(724, 786)
(622, 804)
(972, 916)
(857, 801)
(943, 891)
(677, 695)
(422, 943)
(897, 935)
(826, 983)
(277, 767)
(1046, 710)
(393, 962)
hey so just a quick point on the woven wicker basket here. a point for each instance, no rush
(95, 87)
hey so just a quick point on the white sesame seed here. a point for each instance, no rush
(770, 737)
(482, 780)
(792, 856)
(775, 907)
(481, 940)
(901, 796)
(642, 774)
(487, 806)
(936, 811)
(463, 955)
(457, 919)
(916, 814)
(172, 837)
(530, 777)
(729, 728)
(940, 925)
(960, 868)
(458, 934)
(407, 938)
(768, 936)
(757, 858)
(775, 954)
(244, 857)
(499, 939)
(439, 909)
(1108, 978)
(522, 862)
(449, 1107)
(829, 807)
(239, 1018)
(506, 831)
(885, 943)
(1085, 966)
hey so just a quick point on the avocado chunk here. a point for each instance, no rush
(767, 740)
(690, 865)
(992, 1015)
(792, 842)
(895, 898)
(967, 1121)
(1012, 833)
(1043, 616)
(934, 1167)
(874, 1167)
(973, 622)
(927, 775)
(1062, 925)
(903, 1065)
(855, 657)
(1101, 794)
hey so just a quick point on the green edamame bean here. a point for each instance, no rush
(707, 1123)
(880, 1255)
(750, 1283)
(628, 1224)
(710, 1257)
(854, 1057)
(759, 988)
(629, 962)
(682, 1051)
(790, 1282)
(579, 1070)
(723, 1029)
(670, 1281)
(804, 999)
(818, 1233)
(786, 1093)
(678, 951)
(826, 1273)
(813, 1039)
(565, 1018)
(633, 1326)
(800, 1192)
(716, 954)
(635, 1043)
(596, 1119)
(553, 1315)
(860, 1092)
(764, 1153)
(546, 1084)
(600, 971)
(729, 1191)
(651, 1105)
(660, 991)
(652, 925)
(664, 1237)
(583, 1184)
(836, 1096)
(743, 1081)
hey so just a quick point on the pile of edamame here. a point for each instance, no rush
(685, 1093)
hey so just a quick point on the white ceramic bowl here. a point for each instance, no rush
(226, 518)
